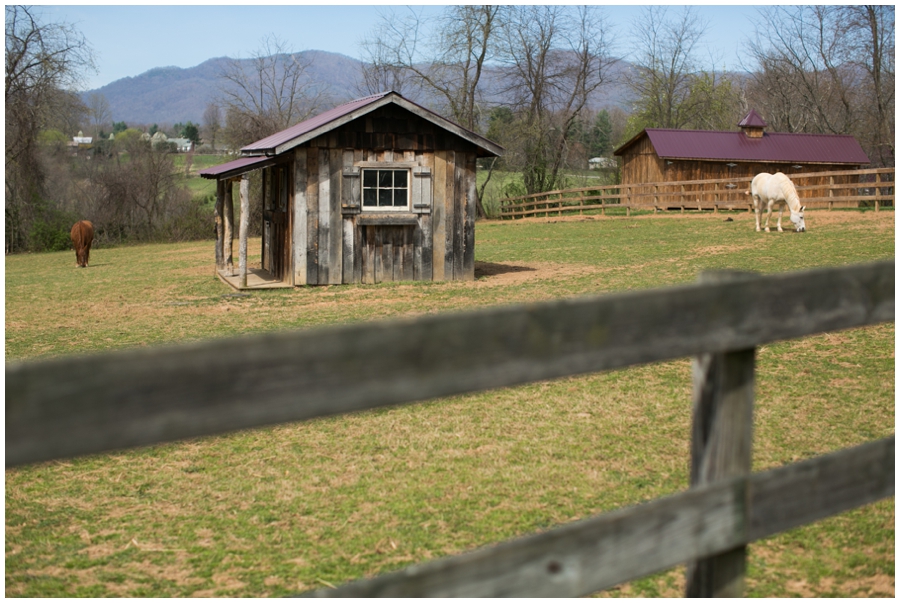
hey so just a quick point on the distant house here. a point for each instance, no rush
(377, 189)
(602, 163)
(183, 145)
(81, 141)
(662, 155)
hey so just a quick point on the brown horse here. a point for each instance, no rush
(82, 236)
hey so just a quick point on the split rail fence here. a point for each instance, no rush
(65, 407)
(851, 188)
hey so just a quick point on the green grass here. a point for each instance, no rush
(272, 511)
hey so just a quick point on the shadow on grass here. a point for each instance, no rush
(485, 269)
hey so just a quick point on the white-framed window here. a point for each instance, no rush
(385, 189)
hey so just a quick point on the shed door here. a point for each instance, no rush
(276, 224)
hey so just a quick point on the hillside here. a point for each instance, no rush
(175, 94)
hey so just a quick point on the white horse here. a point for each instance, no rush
(770, 189)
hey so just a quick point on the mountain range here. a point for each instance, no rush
(169, 95)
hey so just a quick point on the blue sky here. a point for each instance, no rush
(129, 39)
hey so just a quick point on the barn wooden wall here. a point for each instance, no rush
(335, 242)
(641, 164)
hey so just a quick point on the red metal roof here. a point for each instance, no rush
(752, 120)
(281, 141)
(233, 168)
(271, 142)
(737, 146)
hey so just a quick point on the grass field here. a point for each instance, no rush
(272, 511)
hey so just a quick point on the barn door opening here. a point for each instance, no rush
(276, 223)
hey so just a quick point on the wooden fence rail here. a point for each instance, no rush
(72, 406)
(817, 189)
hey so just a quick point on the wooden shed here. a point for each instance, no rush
(378, 189)
(664, 155)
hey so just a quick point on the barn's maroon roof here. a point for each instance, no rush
(752, 120)
(737, 146)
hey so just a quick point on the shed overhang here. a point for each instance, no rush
(236, 168)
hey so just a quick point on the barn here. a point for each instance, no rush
(665, 155)
(377, 189)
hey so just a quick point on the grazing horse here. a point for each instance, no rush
(770, 189)
(82, 236)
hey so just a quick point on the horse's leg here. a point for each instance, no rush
(756, 211)
(780, 213)
(768, 215)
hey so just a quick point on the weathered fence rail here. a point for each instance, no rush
(817, 189)
(72, 406)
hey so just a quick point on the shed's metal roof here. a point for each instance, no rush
(737, 146)
(234, 168)
(324, 122)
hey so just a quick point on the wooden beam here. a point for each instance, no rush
(229, 228)
(220, 225)
(594, 554)
(143, 396)
(244, 230)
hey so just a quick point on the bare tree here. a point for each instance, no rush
(449, 64)
(99, 111)
(555, 60)
(267, 93)
(827, 69)
(212, 122)
(43, 60)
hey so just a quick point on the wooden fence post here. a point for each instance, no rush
(721, 444)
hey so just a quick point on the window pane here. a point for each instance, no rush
(384, 178)
(370, 197)
(400, 197)
(370, 178)
(400, 179)
(384, 197)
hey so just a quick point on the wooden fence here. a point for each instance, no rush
(852, 188)
(72, 406)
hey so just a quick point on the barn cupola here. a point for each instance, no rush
(752, 125)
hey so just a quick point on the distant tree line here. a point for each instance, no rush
(817, 69)
(528, 77)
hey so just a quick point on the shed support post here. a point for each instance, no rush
(220, 225)
(721, 444)
(228, 237)
(245, 227)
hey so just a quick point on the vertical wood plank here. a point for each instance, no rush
(244, 229)
(408, 261)
(349, 197)
(426, 222)
(387, 252)
(438, 215)
(368, 237)
(326, 235)
(471, 188)
(312, 220)
(451, 208)
(459, 215)
(378, 249)
(300, 209)
(721, 448)
(335, 255)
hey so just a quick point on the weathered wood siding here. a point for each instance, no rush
(640, 163)
(435, 240)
